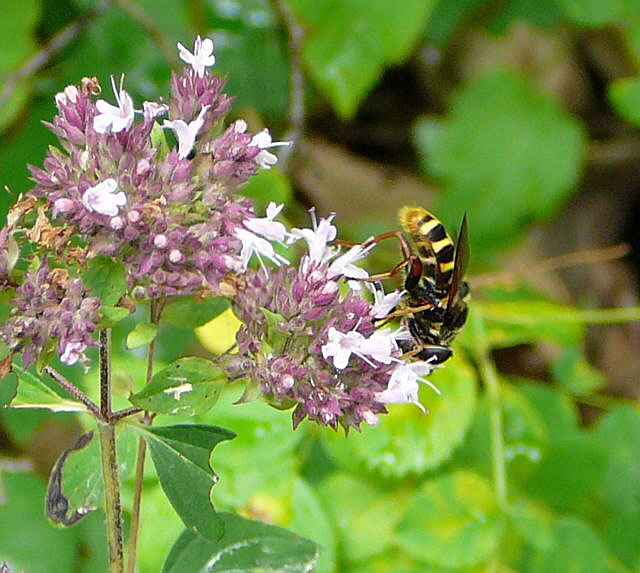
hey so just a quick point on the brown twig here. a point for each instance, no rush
(125, 413)
(588, 257)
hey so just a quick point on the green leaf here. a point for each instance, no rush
(452, 521)
(350, 42)
(556, 409)
(247, 545)
(193, 311)
(57, 505)
(112, 315)
(576, 548)
(524, 434)
(106, 278)
(619, 433)
(624, 94)
(261, 456)
(574, 374)
(310, 519)
(8, 388)
(406, 441)
(504, 144)
(181, 456)
(82, 483)
(592, 13)
(446, 16)
(532, 522)
(34, 393)
(365, 515)
(24, 528)
(188, 387)
(569, 472)
(142, 334)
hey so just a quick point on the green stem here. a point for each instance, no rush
(107, 432)
(492, 384)
(109, 456)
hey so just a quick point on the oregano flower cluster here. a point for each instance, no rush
(159, 189)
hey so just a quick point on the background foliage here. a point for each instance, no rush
(522, 113)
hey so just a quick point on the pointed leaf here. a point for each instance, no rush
(188, 387)
(247, 545)
(142, 334)
(34, 393)
(181, 454)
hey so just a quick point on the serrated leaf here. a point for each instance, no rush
(188, 387)
(504, 144)
(365, 515)
(349, 43)
(142, 334)
(107, 279)
(247, 545)
(193, 311)
(452, 521)
(34, 393)
(181, 454)
(576, 548)
(406, 441)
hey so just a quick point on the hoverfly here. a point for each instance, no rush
(435, 306)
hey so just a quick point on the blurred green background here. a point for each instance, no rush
(522, 113)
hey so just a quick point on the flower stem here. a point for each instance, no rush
(109, 456)
(155, 312)
(492, 384)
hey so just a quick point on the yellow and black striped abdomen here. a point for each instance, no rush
(435, 247)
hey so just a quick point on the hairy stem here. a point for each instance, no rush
(155, 312)
(109, 456)
(73, 390)
(107, 432)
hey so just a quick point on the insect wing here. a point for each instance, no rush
(460, 263)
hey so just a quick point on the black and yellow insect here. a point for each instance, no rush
(435, 306)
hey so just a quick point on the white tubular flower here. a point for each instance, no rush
(202, 56)
(383, 303)
(252, 243)
(153, 109)
(266, 226)
(403, 384)
(73, 352)
(186, 133)
(117, 118)
(343, 265)
(341, 346)
(381, 346)
(265, 159)
(69, 94)
(104, 198)
(317, 239)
